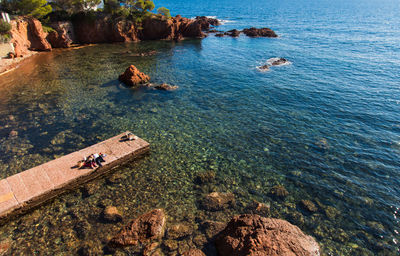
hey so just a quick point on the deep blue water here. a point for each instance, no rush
(327, 127)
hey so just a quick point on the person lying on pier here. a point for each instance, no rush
(98, 158)
(129, 136)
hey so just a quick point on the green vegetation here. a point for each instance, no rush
(164, 12)
(5, 27)
(35, 8)
(56, 10)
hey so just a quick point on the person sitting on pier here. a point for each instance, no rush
(90, 162)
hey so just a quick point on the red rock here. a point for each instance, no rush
(194, 252)
(259, 32)
(133, 77)
(62, 36)
(146, 227)
(255, 235)
(27, 34)
(205, 22)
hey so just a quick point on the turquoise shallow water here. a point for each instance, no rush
(326, 127)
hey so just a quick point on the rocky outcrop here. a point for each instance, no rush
(255, 235)
(133, 77)
(143, 229)
(63, 35)
(216, 201)
(206, 22)
(259, 32)
(104, 30)
(28, 35)
(175, 28)
(233, 33)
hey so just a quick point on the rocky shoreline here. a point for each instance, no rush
(28, 35)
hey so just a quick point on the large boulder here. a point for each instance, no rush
(254, 235)
(133, 77)
(146, 227)
(259, 32)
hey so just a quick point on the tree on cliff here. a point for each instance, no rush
(164, 11)
(74, 6)
(35, 8)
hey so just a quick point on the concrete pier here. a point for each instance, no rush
(32, 187)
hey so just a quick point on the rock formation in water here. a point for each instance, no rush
(62, 36)
(133, 77)
(259, 32)
(143, 229)
(251, 234)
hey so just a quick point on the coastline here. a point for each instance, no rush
(8, 65)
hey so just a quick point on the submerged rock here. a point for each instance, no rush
(179, 231)
(216, 201)
(166, 87)
(259, 208)
(212, 228)
(133, 77)
(205, 177)
(259, 32)
(146, 227)
(279, 192)
(219, 35)
(308, 206)
(194, 252)
(111, 214)
(255, 235)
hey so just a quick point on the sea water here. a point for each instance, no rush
(326, 127)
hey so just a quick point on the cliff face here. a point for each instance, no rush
(27, 35)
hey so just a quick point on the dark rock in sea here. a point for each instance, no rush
(194, 252)
(216, 201)
(259, 32)
(212, 228)
(308, 206)
(255, 235)
(90, 189)
(133, 77)
(278, 61)
(111, 214)
(179, 230)
(264, 67)
(278, 192)
(205, 177)
(207, 22)
(214, 31)
(331, 212)
(166, 87)
(219, 35)
(233, 33)
(296, 218)
(82, 229)
(259, 208)
(146, 227)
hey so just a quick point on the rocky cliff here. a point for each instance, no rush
(28, 35)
